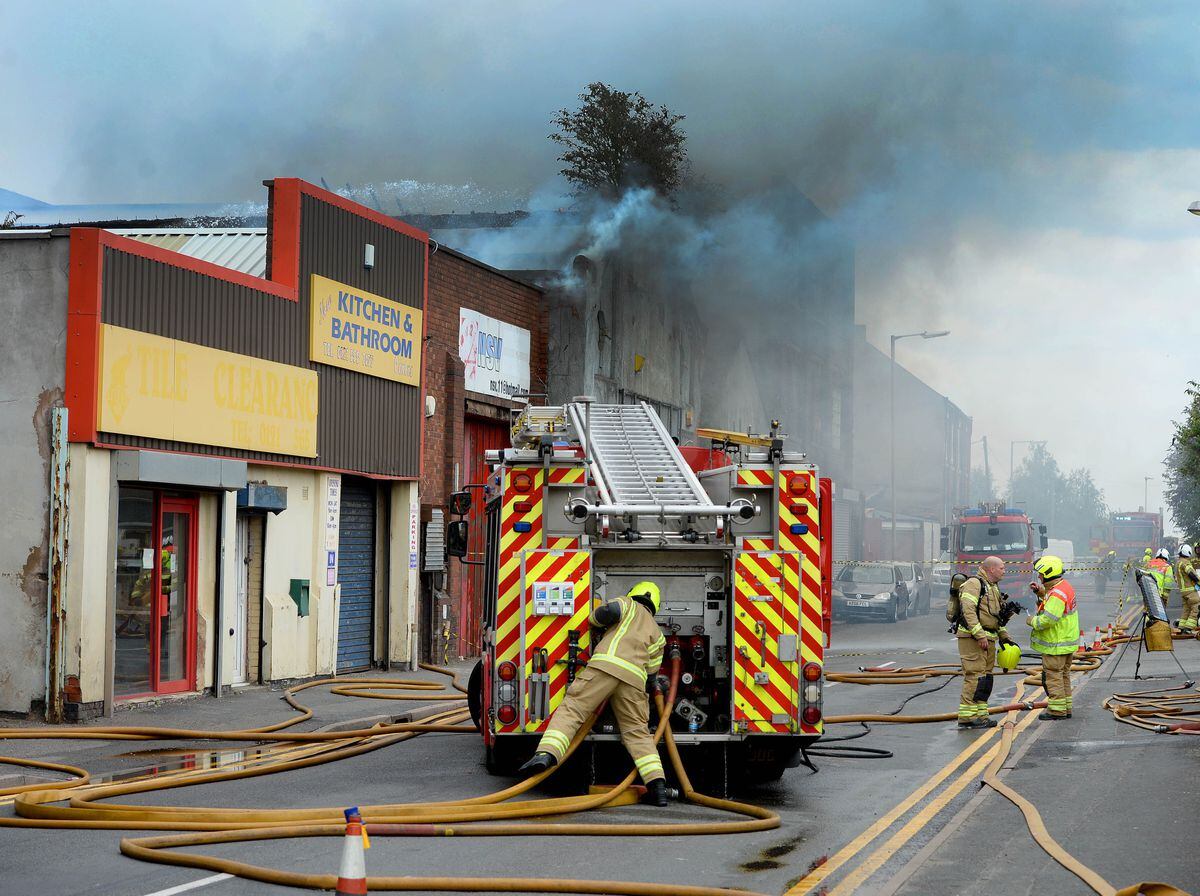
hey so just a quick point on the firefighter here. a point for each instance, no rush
(1055, 634)
(1189, 588)
(978, 630)
(1161, 567)
(629, 655)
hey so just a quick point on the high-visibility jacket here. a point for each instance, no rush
(1162, 573)
(1185, 571)
(979, 603)
(632, 646)
(1056, 623)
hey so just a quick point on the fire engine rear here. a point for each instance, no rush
(593, 498)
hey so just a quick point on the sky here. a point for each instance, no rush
(1016, 172)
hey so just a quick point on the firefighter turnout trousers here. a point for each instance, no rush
(977, 664)
(1056, 679)
(1191, 610)
(631, 707)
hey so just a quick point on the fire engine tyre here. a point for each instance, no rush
(763, 760)
(475, 695)
(504, 755)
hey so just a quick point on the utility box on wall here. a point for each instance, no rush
(298, 591)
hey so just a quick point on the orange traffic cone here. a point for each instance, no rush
(1096, 643)
(1082, 643)
(352, 876)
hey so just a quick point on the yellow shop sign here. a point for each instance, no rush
(363, 332)
(162, 388)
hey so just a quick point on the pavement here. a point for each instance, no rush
(1117, 797)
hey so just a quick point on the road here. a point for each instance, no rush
(1101, 792)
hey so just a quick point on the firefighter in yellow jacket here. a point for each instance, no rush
(1055, 634)
(978, 629)
(629, 654)
(1189, 588)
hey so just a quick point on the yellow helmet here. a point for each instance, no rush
(1008, 656)
(1048, 567)
(648, 592)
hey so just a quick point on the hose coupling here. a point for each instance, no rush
(1162, 729)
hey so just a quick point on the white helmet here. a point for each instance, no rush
(1185, 550)
(1163, 554)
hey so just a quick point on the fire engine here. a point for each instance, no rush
(994, 529)
(1129, 533)
(592, 498)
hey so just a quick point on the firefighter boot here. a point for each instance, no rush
(983, 722)
(538, 763)
(656, 793)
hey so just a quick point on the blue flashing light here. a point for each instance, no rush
(799, 529)
(522, 527)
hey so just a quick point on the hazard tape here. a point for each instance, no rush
(1009, 567)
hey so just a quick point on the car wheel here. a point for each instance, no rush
(907, 607)
(894, 613)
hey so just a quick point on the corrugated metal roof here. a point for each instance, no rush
(243, 249)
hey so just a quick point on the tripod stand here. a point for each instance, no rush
(1140, 633)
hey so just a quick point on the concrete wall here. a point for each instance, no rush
(33, 305)
(933, 440)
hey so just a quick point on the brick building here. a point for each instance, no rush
(485, 340)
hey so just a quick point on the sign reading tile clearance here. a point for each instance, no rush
(163, 388)
(364, 332)
(495, 355)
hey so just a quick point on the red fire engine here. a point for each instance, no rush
(592, 498)
(1129, 533)
(992, 529)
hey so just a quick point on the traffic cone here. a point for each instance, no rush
(1096, 643)
(1082, 643)
(352, 876)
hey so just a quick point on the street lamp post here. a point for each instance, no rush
(1011, 462)
(924, 334)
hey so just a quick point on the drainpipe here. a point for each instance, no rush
(218, 618)
(56, 566)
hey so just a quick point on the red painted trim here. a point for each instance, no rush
(263, 463)
(191, 508)
(84, 297)
(825, 514)
(424, 358)
(351, 206)
(284, 225)
(186, 262)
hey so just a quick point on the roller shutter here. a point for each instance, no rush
(356, 576)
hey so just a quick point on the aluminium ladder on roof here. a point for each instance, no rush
(634, 459)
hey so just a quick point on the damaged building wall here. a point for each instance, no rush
(33, 345)
(933, 440)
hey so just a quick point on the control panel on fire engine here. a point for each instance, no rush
(553, 598)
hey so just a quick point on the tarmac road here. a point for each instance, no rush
(1116, 796)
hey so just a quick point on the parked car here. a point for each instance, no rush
(871, 590)
(914, 578)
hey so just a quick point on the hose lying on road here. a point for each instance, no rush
(1174, 710)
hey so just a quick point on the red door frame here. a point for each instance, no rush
(480, 434)
(190, 506)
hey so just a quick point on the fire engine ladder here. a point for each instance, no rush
(635, 463)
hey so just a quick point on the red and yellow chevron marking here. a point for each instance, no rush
(769, 707)
(515, 546)
(751, 478)
(551, 633)
(568, 475)
(802, 509)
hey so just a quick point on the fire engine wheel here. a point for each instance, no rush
(475, 695)
(505, 755)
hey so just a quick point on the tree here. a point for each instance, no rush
(982, 488)
(1070, 505)
(617, 140)
(1183, 467)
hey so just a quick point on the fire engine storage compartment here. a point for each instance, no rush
(732, 603)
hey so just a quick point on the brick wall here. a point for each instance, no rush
(458, 282)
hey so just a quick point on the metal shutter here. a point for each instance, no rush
(356, 575)
(841, 529)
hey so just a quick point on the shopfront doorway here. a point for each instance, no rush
(155, 624)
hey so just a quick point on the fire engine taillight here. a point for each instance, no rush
(508, 714)
(507, 692)
(812, 715)
(798, 486)
(522, 482)
(507, 671)
(812, 672)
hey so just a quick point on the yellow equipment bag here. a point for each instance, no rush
(1158, 636)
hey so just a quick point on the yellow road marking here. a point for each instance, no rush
(893, 845)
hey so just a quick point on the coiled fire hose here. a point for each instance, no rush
(478, 816)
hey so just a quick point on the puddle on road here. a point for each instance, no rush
(181, 760)
(767, 857)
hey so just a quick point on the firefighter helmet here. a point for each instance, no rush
(1163, 554)
(1185, 550)
(648, 592)
(1008, 656)
(1049, 567)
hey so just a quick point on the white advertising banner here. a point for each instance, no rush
(495, 355)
